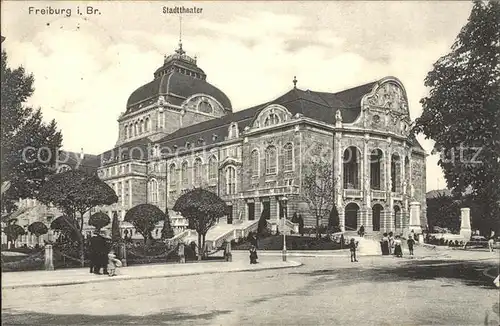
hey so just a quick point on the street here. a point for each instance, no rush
(324, 291)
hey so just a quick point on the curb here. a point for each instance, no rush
(292, 264)
(485, 272)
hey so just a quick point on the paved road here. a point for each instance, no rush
(324, 291)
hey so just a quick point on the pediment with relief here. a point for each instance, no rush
(389, 96)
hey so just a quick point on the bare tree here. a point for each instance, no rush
(318, 187)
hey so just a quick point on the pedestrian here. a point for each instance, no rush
(113, 263)
(410, 242)
(491, 240)
(384, 244)
(253, 255)
(391, 243)
(361, 231)
(398, 252)
(352, 249)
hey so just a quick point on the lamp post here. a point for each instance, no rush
(284, 200)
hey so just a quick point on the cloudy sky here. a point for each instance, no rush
(86, 66)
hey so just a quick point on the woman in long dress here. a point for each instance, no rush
(384, 245)
(398, 252)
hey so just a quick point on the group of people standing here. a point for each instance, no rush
(102, 256)
(392, 244)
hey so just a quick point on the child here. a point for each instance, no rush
(113, 263)
(352, 249)
(253, 255)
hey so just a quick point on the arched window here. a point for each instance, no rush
(375, 169)
(130, 131)
(254, 159)
(136, 129)
(351, 168)
(212, 169)
(288, 157)
(126, 131)
(272, 119)
(184, 174)
(153, 191)
(141, 124)
(205, 107)
(230, 180)
(197, 171)
(271, 158)
(172, 176)
(146, 124)
(233, 131)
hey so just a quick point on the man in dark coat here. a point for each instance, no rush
(98, 253)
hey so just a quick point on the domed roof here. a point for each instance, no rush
(178, 79)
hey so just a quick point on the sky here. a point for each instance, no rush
(86, 66)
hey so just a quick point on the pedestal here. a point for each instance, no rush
(465, 228)
(415, 218)
(49, 258)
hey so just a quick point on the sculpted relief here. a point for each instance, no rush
(389, 96)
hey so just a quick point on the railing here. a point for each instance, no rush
(378, 194)
(357, 193)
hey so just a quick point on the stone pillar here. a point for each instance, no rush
(415, 217)
(123, 254)
(182, 257)
(49, 258)
(465, 228)
(228, 255)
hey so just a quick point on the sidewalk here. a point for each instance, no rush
(28, 279)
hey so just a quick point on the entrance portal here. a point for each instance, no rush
(376, 213)
(251, 211)
(351, 217)
(229, 214)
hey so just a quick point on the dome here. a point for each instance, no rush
(178, 79)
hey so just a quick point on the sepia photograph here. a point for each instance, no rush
(250, 162)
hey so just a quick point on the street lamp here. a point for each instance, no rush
(284, 200)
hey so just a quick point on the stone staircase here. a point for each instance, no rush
(369, 245)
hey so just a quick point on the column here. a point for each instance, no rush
(123, 193)
(338, 179)
(130, 193)
(273, 205)
(388, 212)
(366, 185)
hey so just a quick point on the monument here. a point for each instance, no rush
(414, 213)
(465, 229)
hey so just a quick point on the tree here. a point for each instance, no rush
(13, 231)
(38, 229)
(202, 208)
(99, 220)
(301, 225)
(167, 232)
(334, 220)
(68, 226)
(318, 188)
(115, 229)
(443, 211)
(144, 218)
(29, 146)
(461, 111)
(262, 224)
(75, 192)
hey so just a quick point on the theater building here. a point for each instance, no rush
(179, 131)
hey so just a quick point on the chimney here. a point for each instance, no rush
(82, 155)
